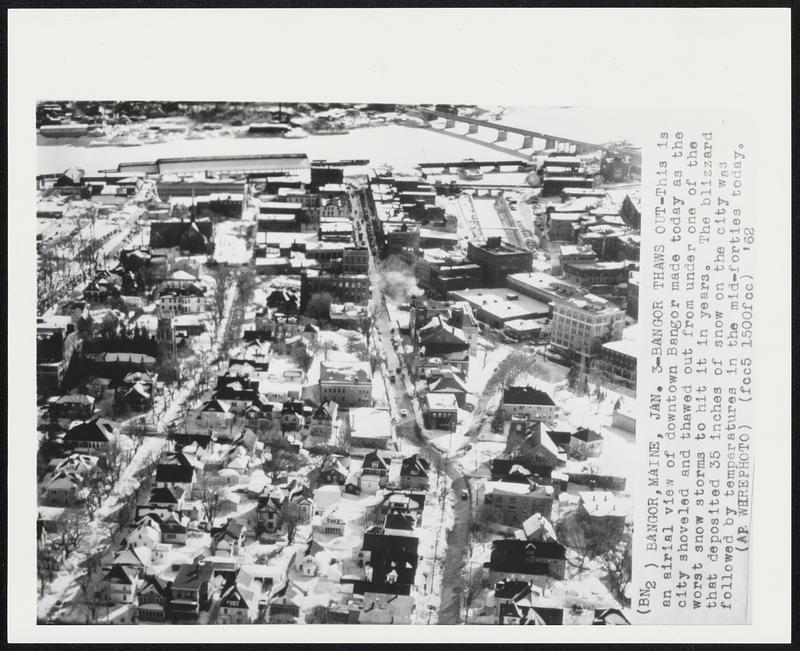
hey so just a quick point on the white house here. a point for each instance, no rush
(325, 497)
(529, 403)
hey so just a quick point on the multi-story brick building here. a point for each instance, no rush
(617, 361)
(590, 274)
(344, 288)
(355, 260)
(497, 259)
(581, 325)
(347, 383)
(514, 502)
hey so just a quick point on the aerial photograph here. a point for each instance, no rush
(326, 363)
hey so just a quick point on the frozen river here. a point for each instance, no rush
(391, 144)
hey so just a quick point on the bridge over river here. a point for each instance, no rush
(526, 141)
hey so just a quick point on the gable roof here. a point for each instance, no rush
(120, 574)
(450, 383)
(231, 529)
(438, 331)
(396, 519)
(560, 438)
(233, 597)
(373, 457)
(414, 462)
(326, 410)
(152, 583)
(216, 405)
(587, 435)
(174, 473)
(527, 615)
(192, 575)
(527, 395)
(165, 496)
(97, 430)
(517, 551)
(64, 479)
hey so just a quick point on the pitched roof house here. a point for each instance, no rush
(152, 599)
(191, 589)
(531, 403)
(228, 539)
(414, 473)
(95, 435)
(521, 558)
(121, 583)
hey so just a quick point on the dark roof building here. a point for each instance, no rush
(527, 396)
(192, 236)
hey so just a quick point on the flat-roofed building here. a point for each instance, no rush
(497, 259)
(594, 273)
(515, 502)
(438, 271)
(344, 288)
(355, 260)
(370, 428)
(294, 163)
(278, 223)
(498, 306)
(440, 411)
(618, 360)
(347, 383)
(581, 325)
(544, 287)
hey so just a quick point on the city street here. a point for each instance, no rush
(404, 394)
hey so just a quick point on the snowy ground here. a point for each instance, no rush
(437, 520)
(65, 587)
(230, 245)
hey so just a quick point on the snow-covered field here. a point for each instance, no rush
(230, 246)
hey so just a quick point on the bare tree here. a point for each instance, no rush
(95, 596)
(617, 563)
(374, 516)
(224, 280)
(365, 325)
(46, 566)
(279, 461)
(302, 358)
(70, 532)
(95, 490)
(289, 517)
(113, 463)
(246, 283)
(473, 588)
(317, 615)
(587, 536)
(328, 346)
(319, 306)
(211, 500)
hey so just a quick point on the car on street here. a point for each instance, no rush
(404, 413)
(464, 494)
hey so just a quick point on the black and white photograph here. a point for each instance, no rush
(335, 363)
(334, 332)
